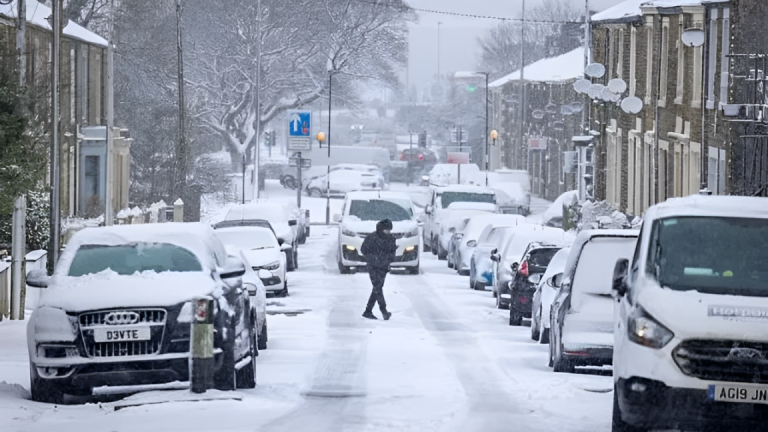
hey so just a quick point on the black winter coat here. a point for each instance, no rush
(379, 250)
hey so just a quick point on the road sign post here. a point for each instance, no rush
(300, 163)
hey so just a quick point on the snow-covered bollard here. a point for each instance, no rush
(178, 211)
(201, 362)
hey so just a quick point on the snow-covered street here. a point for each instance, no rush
(446, 361)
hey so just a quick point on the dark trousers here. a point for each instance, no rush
(378, 275)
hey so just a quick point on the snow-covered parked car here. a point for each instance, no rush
(462, 251)
(545, 294)
(533, 265)
(448, 207)
(261, 251)
(258, 293)
(691, 307)
(505, 176)
(360, 213)
(512, 198)
(553, 216)
(581, 330)
(443, 174)
(344, 181)
(507, 260)
(283, 221)
(118, 308)
(480, 263)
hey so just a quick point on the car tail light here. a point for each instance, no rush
(524, 268)
(421, 157)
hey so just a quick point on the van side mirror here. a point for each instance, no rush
(620, 272)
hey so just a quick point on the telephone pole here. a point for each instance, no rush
(55, 215)
(180, 186)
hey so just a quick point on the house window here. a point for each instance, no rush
(631, 170)
(632, 61)
(680, 64)
(620, 65)
(716, 171)
(663, 170)
(713, 16)
(694, 171)
(724, 59)
(649, 64)
(698, 62)
(664, 61)
(640, 169)
(677, 171)
(91, 182)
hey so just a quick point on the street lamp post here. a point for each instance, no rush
(328, 175)
(494, 135)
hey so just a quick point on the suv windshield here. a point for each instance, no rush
(132, 258)
(378, 209)
(446, 198)
(714, 255)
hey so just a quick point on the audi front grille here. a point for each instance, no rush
(154, 318)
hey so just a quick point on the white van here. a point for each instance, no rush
(691, 324)
(347, 155)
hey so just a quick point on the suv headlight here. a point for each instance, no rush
(271, 266)
(645, 330)
(348, 233)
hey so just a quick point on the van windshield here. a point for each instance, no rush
(713, 255)
(446, 198)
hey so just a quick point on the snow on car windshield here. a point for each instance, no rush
(713, 255)
(377, 209)
(593, 276)
(246, 238)
(450, 197)
(133, 258)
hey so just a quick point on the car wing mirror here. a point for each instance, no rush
(38, 279)
(337, 218)
(280, 241)
(428, 209)
(620, 272)
(252, 289)
(515, 266)
(233, 268)
(535, 278)
(285, 247)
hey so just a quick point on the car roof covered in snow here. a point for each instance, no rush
(703, 205)
(274, 213)
(198, 238)
(464, 188)
(585, 236)
(369, 195)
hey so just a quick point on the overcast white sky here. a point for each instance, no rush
(458, 36)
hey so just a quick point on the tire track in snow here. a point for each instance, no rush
(489, 406)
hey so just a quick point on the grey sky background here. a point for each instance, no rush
(458, 36)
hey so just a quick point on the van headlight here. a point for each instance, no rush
(645, 330)
(348, 233)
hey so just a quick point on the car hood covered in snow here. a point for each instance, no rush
(109, 290)
(259, 257)
(691, 314)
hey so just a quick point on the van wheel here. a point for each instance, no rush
(515, 318)
(226, 377)
(544, 335)
(536, 327)
(617, 424)
(263, 337)
(427, 246)
(441, 253)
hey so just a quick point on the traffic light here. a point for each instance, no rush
(271, 139)
(423, 139)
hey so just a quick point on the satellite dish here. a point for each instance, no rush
(566, 110)
(693, 37)
(617, 85)
(537, 114)
(632, 105)
(577, 107)
(550, 108)
(582, 85)
(595, 70)
(595, 90)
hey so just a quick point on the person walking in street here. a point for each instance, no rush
(379, 251)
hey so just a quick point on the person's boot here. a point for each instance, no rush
(386, 315)
(369, 315)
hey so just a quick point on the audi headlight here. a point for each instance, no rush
(348, 233)
(645, 330)
(271, 266)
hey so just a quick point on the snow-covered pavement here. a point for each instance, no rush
(446, 361)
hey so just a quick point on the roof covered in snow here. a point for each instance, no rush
(631, 10)
(718, 206)
(37, 14)
(566, 67)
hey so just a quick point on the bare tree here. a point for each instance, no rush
(292, 48)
